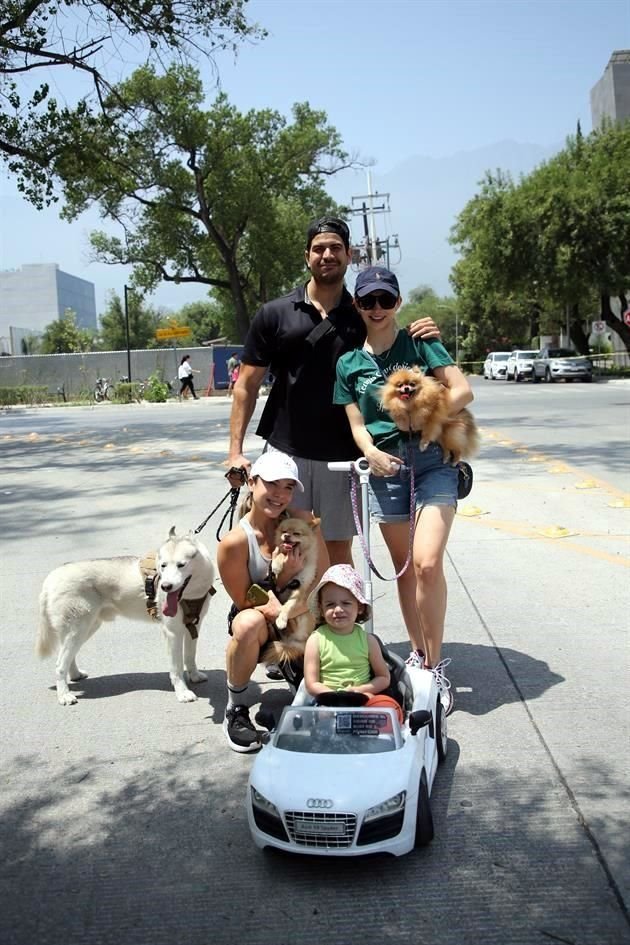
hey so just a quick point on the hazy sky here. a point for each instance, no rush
(397, 78)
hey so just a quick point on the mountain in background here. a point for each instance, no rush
(426, 196)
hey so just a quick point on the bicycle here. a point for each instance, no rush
(103, 389)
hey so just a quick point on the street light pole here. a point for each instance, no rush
(127, 334)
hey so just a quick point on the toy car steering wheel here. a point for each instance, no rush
(341, 699)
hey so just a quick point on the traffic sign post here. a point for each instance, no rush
(599, 328)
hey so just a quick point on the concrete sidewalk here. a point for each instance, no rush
(123, 817)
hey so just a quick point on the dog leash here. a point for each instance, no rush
(232, 495)
(357, 521)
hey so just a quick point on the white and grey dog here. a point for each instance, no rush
(76, 598)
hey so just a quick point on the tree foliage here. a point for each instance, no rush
(212, 196)
(143, 320)
(63, 336)
(424, 302)
(541, 250)
(48, 37)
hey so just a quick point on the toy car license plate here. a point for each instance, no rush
(319, 828)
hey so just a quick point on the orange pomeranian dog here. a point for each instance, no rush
(291, 633)
(416, 402)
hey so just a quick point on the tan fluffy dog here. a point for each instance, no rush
(416, 402)
(294, 630)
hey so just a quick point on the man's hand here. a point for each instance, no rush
(238, 472)
(424, 328)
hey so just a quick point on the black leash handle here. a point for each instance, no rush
(232, 494)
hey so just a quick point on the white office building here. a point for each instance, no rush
(37, 294)
(610, 97)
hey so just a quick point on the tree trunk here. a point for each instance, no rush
(617, 324)
(576, 330)
(238, 297)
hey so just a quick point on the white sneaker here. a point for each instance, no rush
(444, 686)
(415, 659)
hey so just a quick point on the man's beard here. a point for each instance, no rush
(332, 276)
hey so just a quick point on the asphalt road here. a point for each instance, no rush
(123, 817)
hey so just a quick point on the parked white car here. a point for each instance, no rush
(346, 781)
(495, 365)
(519, 365)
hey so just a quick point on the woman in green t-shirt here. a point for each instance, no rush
(360, 376)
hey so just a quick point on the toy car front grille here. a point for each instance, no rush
(321, 829)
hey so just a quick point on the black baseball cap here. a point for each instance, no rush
(328, 225)
(376, 279)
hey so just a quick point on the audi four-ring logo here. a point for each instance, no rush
(319, 803)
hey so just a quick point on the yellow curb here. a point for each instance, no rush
(537, 458)
(586, 484)
(619, 504)
(522, 449)
(559, 468)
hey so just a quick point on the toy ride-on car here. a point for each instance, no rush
(343, 779)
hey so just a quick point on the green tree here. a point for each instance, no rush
(204, 318)
(424, 302)
(553, 242)
(213, 197)
(48, 37)
(143, 320)
(63, 336)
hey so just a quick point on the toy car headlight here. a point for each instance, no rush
(390, 806)
(259, 800)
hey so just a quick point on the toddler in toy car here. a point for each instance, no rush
(339, 654)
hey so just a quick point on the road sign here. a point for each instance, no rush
(626, 317)
(162, 333)
(599, 328)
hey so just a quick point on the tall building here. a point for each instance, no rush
(36, 295)
(610, 98)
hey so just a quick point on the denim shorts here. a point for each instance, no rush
(435, 483)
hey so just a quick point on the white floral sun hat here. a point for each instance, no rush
(344, 576)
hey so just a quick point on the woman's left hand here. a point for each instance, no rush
(293, 564)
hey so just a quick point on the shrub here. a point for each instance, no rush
(156, 390)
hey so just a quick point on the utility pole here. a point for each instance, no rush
(372, 249)
(127, 334)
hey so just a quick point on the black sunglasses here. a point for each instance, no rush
(385, 301)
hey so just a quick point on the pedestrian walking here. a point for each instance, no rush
(185, 375)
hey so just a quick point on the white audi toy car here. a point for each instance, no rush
(343, 780)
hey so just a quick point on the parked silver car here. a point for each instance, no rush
(554, 364)
(519, 365)
(495, 365)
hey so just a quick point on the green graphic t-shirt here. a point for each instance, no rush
(361, 375)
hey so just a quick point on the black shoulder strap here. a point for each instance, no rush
(325, 329)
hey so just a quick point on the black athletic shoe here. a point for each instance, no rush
(241, 734)
(274, 672)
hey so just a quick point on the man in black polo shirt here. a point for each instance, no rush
(300, 337)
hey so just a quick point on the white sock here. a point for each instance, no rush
(237, 695)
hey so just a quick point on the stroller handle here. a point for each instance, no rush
(360, 465)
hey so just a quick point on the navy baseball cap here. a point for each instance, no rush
(375, 279)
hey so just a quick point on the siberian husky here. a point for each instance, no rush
(76, 598)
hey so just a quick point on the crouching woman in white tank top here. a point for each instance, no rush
(243, 558)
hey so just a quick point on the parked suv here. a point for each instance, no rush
(519, 365)
(554, 364)
(495, 364)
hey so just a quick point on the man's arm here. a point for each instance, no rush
(244, 397)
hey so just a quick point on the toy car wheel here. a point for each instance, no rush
(441, 737)
(424, 818)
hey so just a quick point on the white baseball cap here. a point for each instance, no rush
(274, 465)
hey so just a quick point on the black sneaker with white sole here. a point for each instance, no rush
(239, 730)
